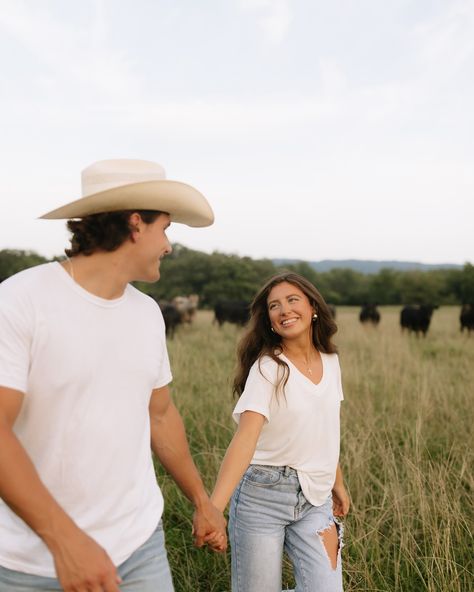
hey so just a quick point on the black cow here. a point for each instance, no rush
(369, 314)
(171, 316)
(417, 318)
(466, 318)
(232, 311)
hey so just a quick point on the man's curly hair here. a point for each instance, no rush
(104, 232)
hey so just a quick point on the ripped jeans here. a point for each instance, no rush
(269, 513)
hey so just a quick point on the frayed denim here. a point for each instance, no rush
(269, 514)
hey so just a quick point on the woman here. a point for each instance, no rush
(281, 467)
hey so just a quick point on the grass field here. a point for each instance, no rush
(406, 451)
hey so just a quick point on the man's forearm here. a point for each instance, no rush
(169, 443)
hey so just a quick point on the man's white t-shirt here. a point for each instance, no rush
(302, 426)
(87, 366)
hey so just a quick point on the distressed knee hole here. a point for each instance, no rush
(330, 541)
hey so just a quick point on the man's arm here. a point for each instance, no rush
(169, 443)
(81, 564)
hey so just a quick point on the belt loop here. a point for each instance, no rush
(287, 471)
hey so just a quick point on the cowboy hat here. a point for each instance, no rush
(128, 184)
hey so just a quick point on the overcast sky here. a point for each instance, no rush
(316, 129)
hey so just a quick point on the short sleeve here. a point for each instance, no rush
(16, 331)
(259, 390)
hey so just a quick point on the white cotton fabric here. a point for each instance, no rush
(302, 426)
(87, 366)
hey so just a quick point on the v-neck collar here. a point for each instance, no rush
(298, 371)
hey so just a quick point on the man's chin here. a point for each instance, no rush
(150, 278)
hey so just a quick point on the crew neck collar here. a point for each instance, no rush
(98, 300)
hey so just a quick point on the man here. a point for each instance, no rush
(83, 390)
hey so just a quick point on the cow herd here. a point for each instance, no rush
(413, 318)
(182, 309)
(231, 311)
(369, 314)
(417, 318)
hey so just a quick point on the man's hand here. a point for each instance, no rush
(209, 526)
(83, 566)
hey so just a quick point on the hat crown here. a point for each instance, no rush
(109, 174)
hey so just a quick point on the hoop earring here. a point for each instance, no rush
(315, 316)
(272, 329)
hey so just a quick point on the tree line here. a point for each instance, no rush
(219, 276)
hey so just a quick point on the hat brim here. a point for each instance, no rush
(182, 202)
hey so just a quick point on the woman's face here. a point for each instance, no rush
(290, 311)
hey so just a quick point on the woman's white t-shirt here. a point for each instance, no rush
(302, 425)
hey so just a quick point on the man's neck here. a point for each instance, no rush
(101, 274)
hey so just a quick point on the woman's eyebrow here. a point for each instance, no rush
(289, 296)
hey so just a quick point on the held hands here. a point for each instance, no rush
(209, 527)
(340, 501)
(83, 566)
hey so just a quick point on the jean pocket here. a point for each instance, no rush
(263, 476)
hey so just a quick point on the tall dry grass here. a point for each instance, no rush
(406, 452)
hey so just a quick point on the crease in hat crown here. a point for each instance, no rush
(107, 174)
(122, 184)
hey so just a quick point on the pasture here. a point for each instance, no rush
(406, 451)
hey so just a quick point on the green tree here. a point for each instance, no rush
(213, 277)
(384, 287)
(12, 261)
(348, 286)
(465, 286)
(420, 287)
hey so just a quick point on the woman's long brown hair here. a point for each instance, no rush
(259, 340)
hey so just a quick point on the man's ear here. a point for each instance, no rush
(135, 222)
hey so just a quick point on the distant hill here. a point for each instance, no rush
(368, 266)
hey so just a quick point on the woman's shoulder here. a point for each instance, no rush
(331, 357)
(265, 360)
(265, 365)
(331, 360)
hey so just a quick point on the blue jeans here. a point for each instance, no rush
(146, 570)
(269, 514)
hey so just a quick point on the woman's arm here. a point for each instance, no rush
(340, 497)
(237, 458)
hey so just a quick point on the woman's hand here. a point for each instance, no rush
(209, 526)
(340, 501)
